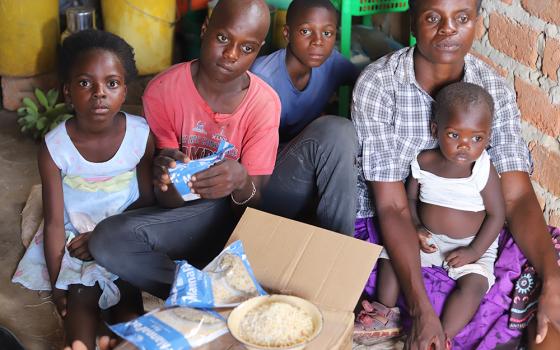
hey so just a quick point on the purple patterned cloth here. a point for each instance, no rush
(489, 326)
(528, 289)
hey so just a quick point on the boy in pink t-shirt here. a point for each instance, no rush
(191, 126)
(190, 108)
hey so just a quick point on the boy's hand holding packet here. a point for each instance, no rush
(182, 173)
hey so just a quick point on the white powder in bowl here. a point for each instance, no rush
(276, 324)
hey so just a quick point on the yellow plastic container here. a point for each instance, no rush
(147, 25)
(29, 34)
(278, 40)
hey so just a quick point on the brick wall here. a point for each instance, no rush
(521, 39)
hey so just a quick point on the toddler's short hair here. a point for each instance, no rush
(298, 6)
(91, 39)
(461, 94)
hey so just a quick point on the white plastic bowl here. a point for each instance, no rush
(237, 315)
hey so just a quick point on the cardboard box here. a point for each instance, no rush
(324, 267)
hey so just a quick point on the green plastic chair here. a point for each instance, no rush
(364, 8)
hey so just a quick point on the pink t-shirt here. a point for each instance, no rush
(181, 119)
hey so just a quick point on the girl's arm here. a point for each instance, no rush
(490, 228)
(53, 213)
(144, 175)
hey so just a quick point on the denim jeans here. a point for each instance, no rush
(140, 245)
(315, 176)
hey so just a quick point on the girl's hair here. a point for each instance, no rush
(81, 42)
(413, 4)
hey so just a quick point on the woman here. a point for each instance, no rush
(391, 112)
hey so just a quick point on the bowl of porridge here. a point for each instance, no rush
(275, 322)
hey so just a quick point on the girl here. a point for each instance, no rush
(92, 166)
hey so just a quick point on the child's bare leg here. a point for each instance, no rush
(129, 307)
(387, 284)
(82, 317)
(463, 302)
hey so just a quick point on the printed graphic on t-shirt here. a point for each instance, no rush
(199, 146)
(199, 127)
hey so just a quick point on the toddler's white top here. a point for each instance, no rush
(460, 194)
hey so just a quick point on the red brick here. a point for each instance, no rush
(513, 39)
(15, 89)
(480, 29)
(547, 10)
(537, 109)
(551, 58)
(502, 71)
(547, 168)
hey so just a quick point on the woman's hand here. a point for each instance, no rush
(59, 300)
(220, 180)
(166, 159)
(548, 312)
(78, 247)
(426, 333)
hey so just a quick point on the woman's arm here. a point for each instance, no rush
(144, 176)
(53, 213)
(401, 242)
(526, 223)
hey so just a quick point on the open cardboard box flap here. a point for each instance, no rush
(290, 257)
(324, 267)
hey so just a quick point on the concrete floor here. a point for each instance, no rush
(30, 317)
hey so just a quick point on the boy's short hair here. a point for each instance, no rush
(298, 6)
(413, 4)
(91, 39)
(461, 94)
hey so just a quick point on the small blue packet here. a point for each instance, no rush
(226, 282)
(177, 328)
(182, 173)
